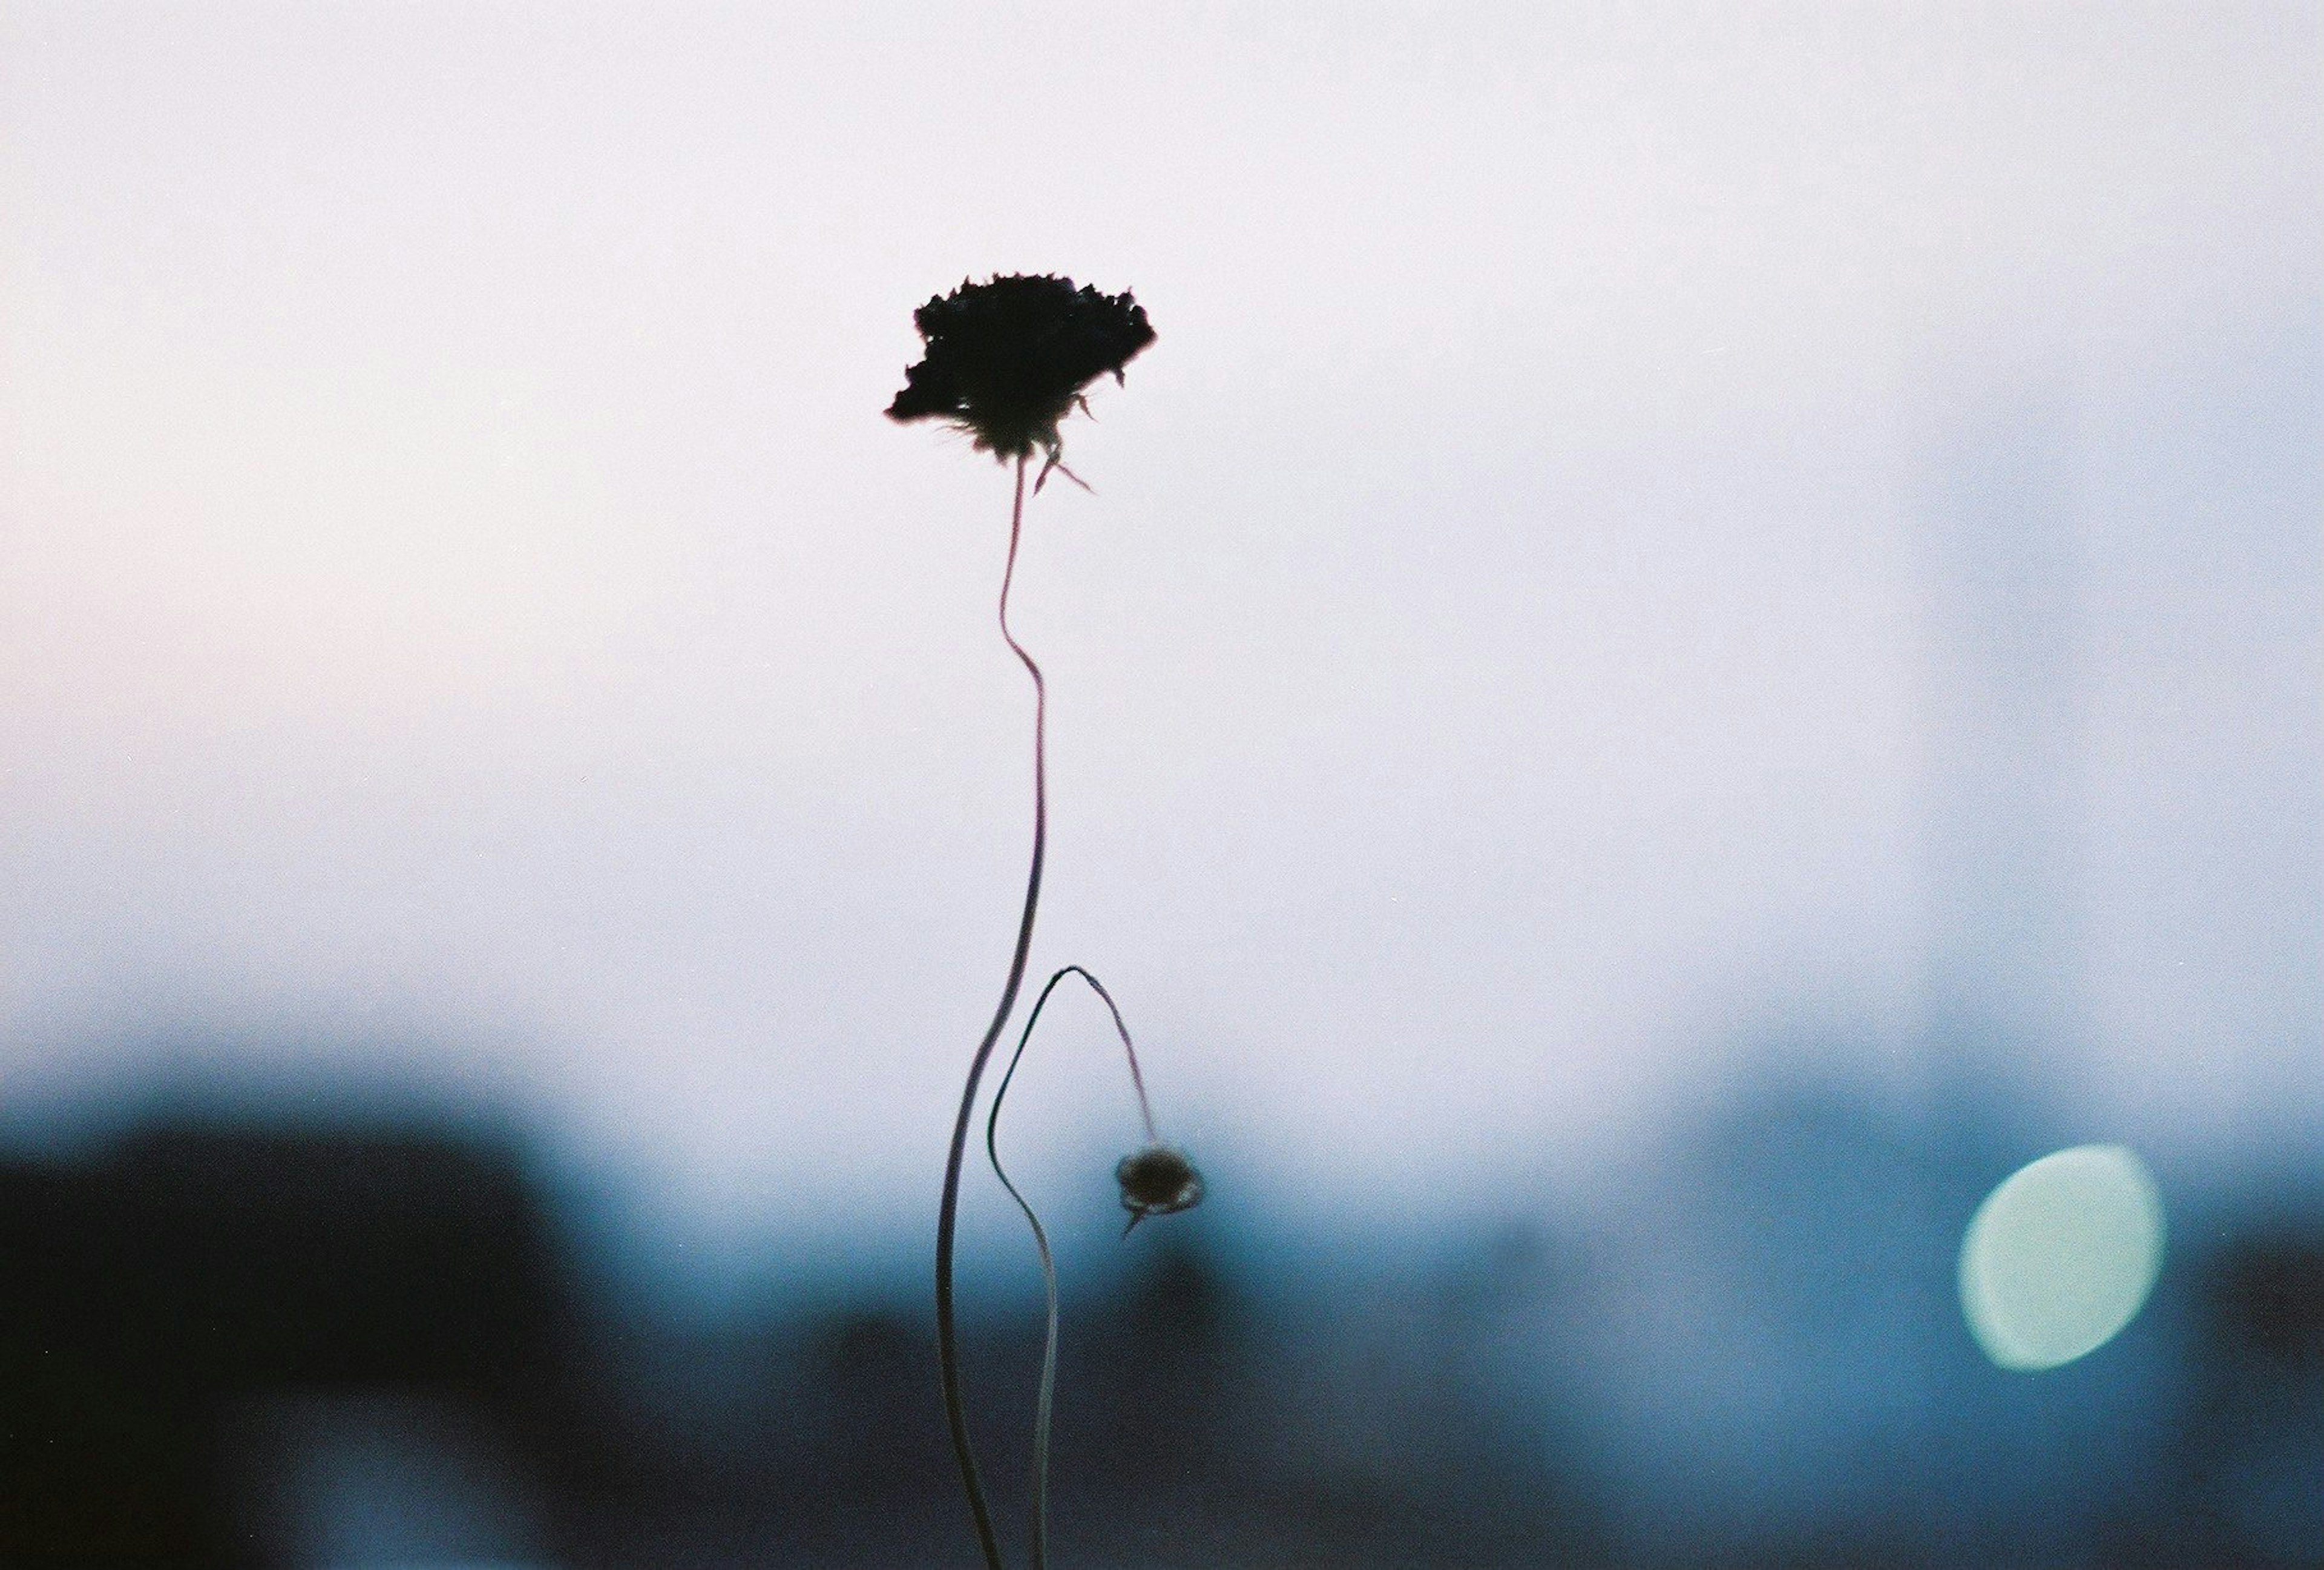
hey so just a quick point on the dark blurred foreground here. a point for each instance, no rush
(228, 1343)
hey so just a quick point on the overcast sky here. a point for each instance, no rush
(1650, 533)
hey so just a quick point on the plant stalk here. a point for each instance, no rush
(947, 1340)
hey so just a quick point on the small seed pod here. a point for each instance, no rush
(1157, 1181)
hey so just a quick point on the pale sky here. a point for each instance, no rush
(1645, 526)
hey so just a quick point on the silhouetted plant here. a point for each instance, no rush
(1007, 361)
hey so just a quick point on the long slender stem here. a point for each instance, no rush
(1046, 1405)
(947, 1341)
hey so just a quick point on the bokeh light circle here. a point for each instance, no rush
(2061, 1256)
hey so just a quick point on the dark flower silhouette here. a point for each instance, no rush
(1007, 359)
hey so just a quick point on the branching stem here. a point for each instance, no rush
(1047, 1403)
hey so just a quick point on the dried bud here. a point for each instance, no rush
(1157, 1181)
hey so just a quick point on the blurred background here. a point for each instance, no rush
(1703, 634)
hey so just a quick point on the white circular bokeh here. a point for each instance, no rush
(2061, 1256)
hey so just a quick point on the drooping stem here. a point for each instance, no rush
(1047, 1403)
(947, 1341)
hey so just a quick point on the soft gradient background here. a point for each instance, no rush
(1655, 538)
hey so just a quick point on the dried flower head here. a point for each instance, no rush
(1007, 359)
(1157, 1181)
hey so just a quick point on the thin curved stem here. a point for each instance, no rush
(1046, 1405)
(947, 1340)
